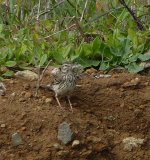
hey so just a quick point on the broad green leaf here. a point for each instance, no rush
(10, 63)
(144, 57)
(43, 59)
(134, 68)
(133, 58)
(8, 74)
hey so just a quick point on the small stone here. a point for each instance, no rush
(27, 75)
(63, 153)
(122, 105)
(64, 133)
(130, 107)
(13, 94)
(75, 143)
(110, 118)
(3, 125)
(91, 70)
(102, 76)
(23, 129)
(28, 95)
(93, 139)
(57, 146)
(137, 112)
(23, 93)
(141, 106)
(21, 100)
(26, 86)
(131, 142)
(86, 153)
(16, 139)
(48, 100)
(133, 82)
(44, 97)
(11, 82)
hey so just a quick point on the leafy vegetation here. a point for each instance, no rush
(99, 33)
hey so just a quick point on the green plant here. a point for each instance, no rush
(32, 32)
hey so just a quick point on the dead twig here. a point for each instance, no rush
(40, 76)
(136, 19)
(60, 31)
(38, 81)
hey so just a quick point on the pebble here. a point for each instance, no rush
(3, 125)
(86, 153)
(28, 95)
(27, 75)
(22, 100)
(75, 143)
(13, 94)
(91, 70)
(131, 142)
(57, 146)
(26, 86)
(63, 153)
(110, 118)
(137, 112)
(102, 76)
(48, 100)
(23, 129)
(64, 133)
(16, 139)
(11, 82)
(133, 82)
(93, 139)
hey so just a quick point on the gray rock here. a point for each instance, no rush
(27, 75)
(64, 133)
(131, 142)
(16, 139)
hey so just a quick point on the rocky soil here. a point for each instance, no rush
(106, 111)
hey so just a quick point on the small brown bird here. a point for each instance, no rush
(65, 78)
(2, 89)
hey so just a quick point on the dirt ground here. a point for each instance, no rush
(105, 111)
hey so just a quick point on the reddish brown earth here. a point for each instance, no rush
(105, 111)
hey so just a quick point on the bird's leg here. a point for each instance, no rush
(58, 101)
(70, 104)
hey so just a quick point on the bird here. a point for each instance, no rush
(2, 89)
(76, 69)
(65, 78)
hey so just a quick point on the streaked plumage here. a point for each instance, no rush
(2, 89)
(65, 80)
